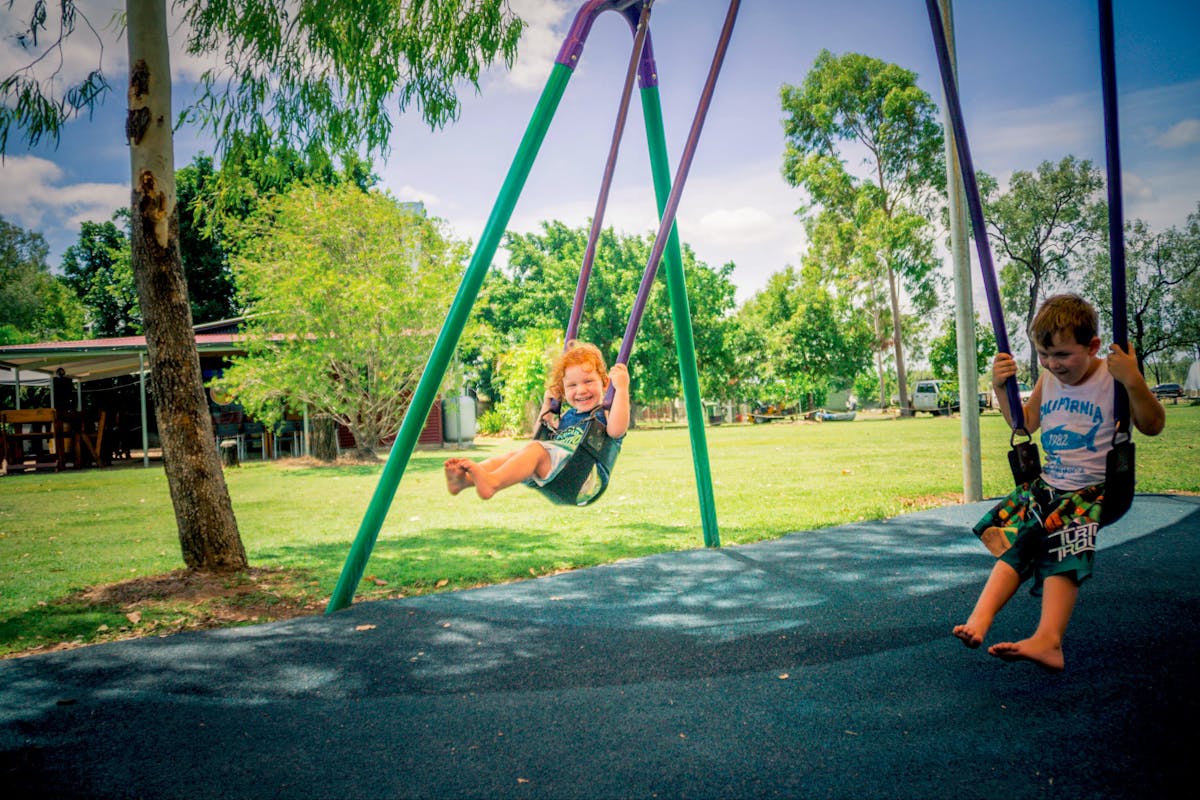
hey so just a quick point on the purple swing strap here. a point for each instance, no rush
(672, 204)
(1116, 213)
(974, 206)
(1116, 233)
(642, 30)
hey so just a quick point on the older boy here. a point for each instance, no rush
(1046, 529)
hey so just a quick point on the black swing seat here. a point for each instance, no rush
(1119, 475)
(585, 475)
(1119, 482)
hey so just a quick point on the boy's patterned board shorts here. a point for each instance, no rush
(1041, 531)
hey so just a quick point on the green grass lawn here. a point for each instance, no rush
(62, 533)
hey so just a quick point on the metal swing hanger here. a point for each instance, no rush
(589, 256)
(1119, 474)
(641, 60)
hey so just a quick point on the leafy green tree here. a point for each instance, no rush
(97, 268)
(34, 305)
(346, 292)
(209, 198)
(748, 377)
(943, 354)
(872, 224)
(812, 341)
(1159, 268)
(536, 291)
(314, 74)
(201, 244)
(521, 377)
(1045, 228)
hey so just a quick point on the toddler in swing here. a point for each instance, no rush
(1046, 529)
(579, 379)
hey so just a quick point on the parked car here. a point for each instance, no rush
(1025, 391)
(1167, 390)
(939, 397)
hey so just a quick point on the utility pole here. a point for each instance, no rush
(964, 303)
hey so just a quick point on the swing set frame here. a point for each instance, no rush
(666, 249)
(1120, 480)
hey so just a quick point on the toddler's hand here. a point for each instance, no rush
(619, 376)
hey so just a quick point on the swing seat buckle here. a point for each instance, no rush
(1024, 460)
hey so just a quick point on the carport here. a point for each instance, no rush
(96, 359)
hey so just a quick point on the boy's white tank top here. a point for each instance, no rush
(1077, 429)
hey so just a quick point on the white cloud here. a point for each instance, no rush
(1049, 131)
(1181, 134)
(35, 195)
(743, 224)
(539, 45)
(1136, 188)
(411, 194)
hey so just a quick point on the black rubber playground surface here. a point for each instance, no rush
(818, 665)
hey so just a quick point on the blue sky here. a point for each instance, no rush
(1029, 79)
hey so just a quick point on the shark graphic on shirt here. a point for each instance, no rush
(1061, 438)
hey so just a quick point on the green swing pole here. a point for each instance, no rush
(681, 317)
(447, 341)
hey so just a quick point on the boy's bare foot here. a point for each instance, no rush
(456, 475)
(1047, 655)
(485, 487)
(969, 634)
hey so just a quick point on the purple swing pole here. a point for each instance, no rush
(1116, 211)
(672, 204)
(974, 204)
(640, 45)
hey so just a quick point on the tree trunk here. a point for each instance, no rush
(208, 533)
(1035, 286)
(897, 342)
(322, 434)
(877, 324)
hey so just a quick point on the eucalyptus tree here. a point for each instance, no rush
(875, 214)
(1162, 271)
(1046, 227)
(345, 291)
(35, 306)
(315, 74)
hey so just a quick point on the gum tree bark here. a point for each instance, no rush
(208, 532)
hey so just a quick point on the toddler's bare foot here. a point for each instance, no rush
(969, 634)
(456, 475)
(485, 486)
(1048, 655)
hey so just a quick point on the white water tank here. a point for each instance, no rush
(458, 419)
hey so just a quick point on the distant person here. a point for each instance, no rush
(1046, 529)
(64, 391)
(579, 378)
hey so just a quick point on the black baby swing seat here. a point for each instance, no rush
(585, 476)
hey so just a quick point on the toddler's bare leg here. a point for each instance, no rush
(511, 470)
(1001, 585)
(1044, 647)
(458, 470)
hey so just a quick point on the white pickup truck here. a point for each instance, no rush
(938, 397)
(928, 396)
